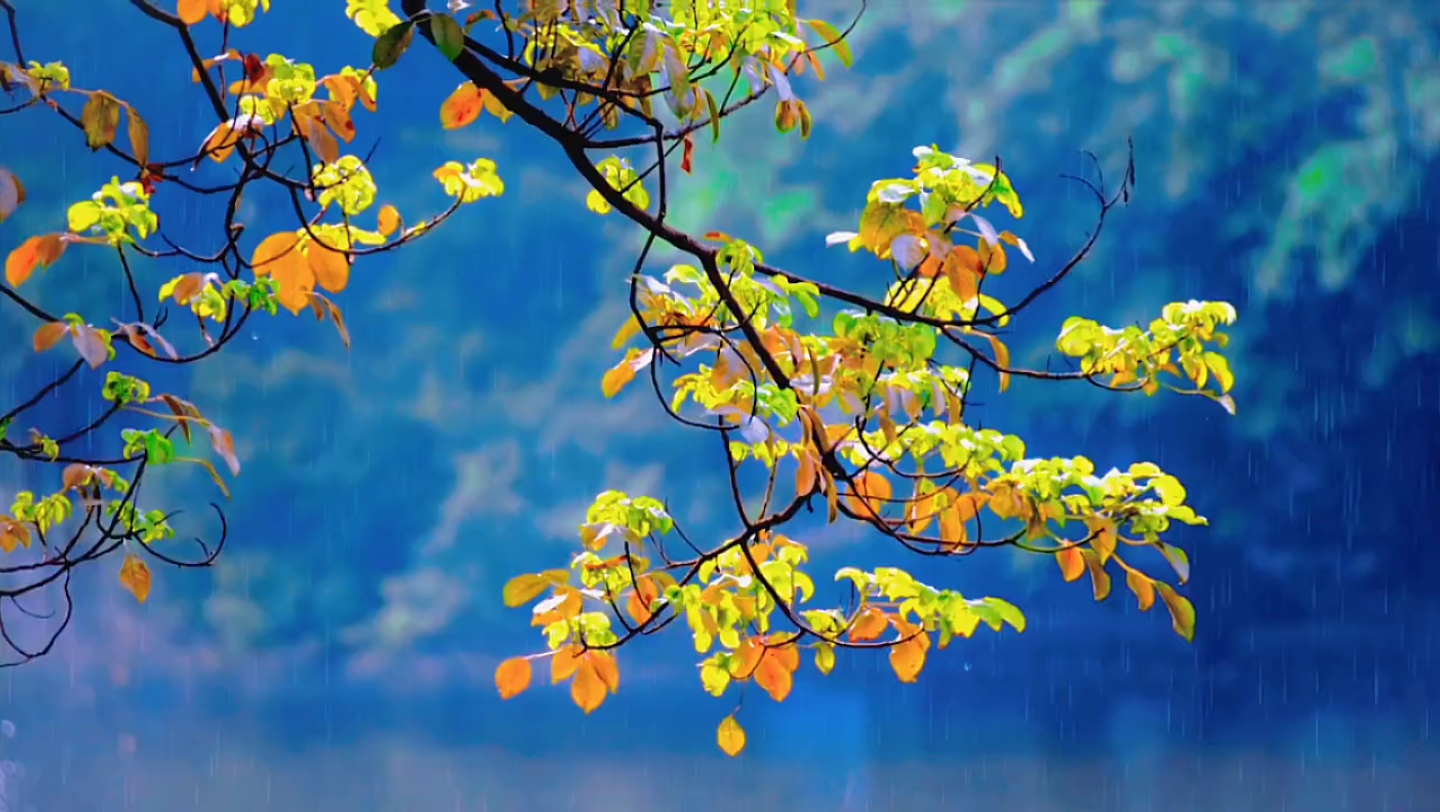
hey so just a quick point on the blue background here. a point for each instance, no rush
(340, 656)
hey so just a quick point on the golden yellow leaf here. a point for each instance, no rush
(908, 658)
(330, 268)
(462, 107)
(272, 249)
(617, 378)
(869, 625)
(512, 677)
(135, 577)
(1143, 588)
(963, 270)
(824, 657)
(388, 221)
(588, 690)
(992, 258)
(139, 134)
(1002, 358)
(312, 128)
(522, 589)
(1072, 563)
(603, 662)
(1098, 575)
(870, 495)
(565, 663)
(1182, 612)
(730, 736)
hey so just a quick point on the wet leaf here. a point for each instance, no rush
(907, 659)
(870, 625)
(1072, 563)
(588, 690)
(1143, 588)
(1182, 612)
(772, 675)
(139, 134)
(512, 677)
(462, 107)
(100, 118)
(37, 252)
(870, 494)
(88, 343)
(48, 335)
(730, 736)
(135, 577)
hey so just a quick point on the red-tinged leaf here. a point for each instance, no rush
(75, 476)
(771, 675)
(48, 335)
(224, 445)
(462, 107)
(718, 236)
(687, 154)
(40, 251)
(1072, 563)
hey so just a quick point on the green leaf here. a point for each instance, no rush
(449, 39)
(392, 44)
(834, 39)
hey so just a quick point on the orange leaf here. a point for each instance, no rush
(963, 270)
(192, 12)
(462, 107)
(135, 577)
(616, 378)
(747, 659)
(908, 658)
(272, 249)
(1072, 563)
(871, 492)
(588, 689)
(1143, 588)
(869, 625)
(321, 142)
(787, 655)
(48, 335)
(992, 258)
(40, 251)
(564, 664)
(1098, 575)
(772, 676)
(330, 268)
(1002, 359)
(388, 220)
(644, 593)
(512, 677)
(603, 662)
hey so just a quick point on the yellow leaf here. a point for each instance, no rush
(100, 118)
(512, 677)
(1098, 575)
(220, 142)
(1072, 563)
(462, 107)
(321, 142)
(617, 378)
(522, 589)
(389, 220)
(992, 258)
(627, 331)
(824, 658)
(1182, 612)
(1143, 588)
(731, 736)
(1002, 359)
(588, 690)
(565, 663)
(272, 249)
(603, 662)
(962, 270)
(135, 577)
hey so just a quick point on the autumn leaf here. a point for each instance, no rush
(40, 251)
(318, 136)
(279, 257)
(870, 624)
(772, 675)
(48, 335)
(100, 118)
(330, 268)
(12, 193)
(135, 577)
(587, 689)
(907, 658)
(192, 12)
(1002, 358)
(462, 107)
(603, 662)
(730, 736)
(1182, 612)
(139, 134)
(1072, 563)
(512, 677)
(388, 221)
(641, 597)
(1143, 588)
(522, 589)
(963, 270)
(224, 445)
(1098, 575)
(870, 495)
(88, 343)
